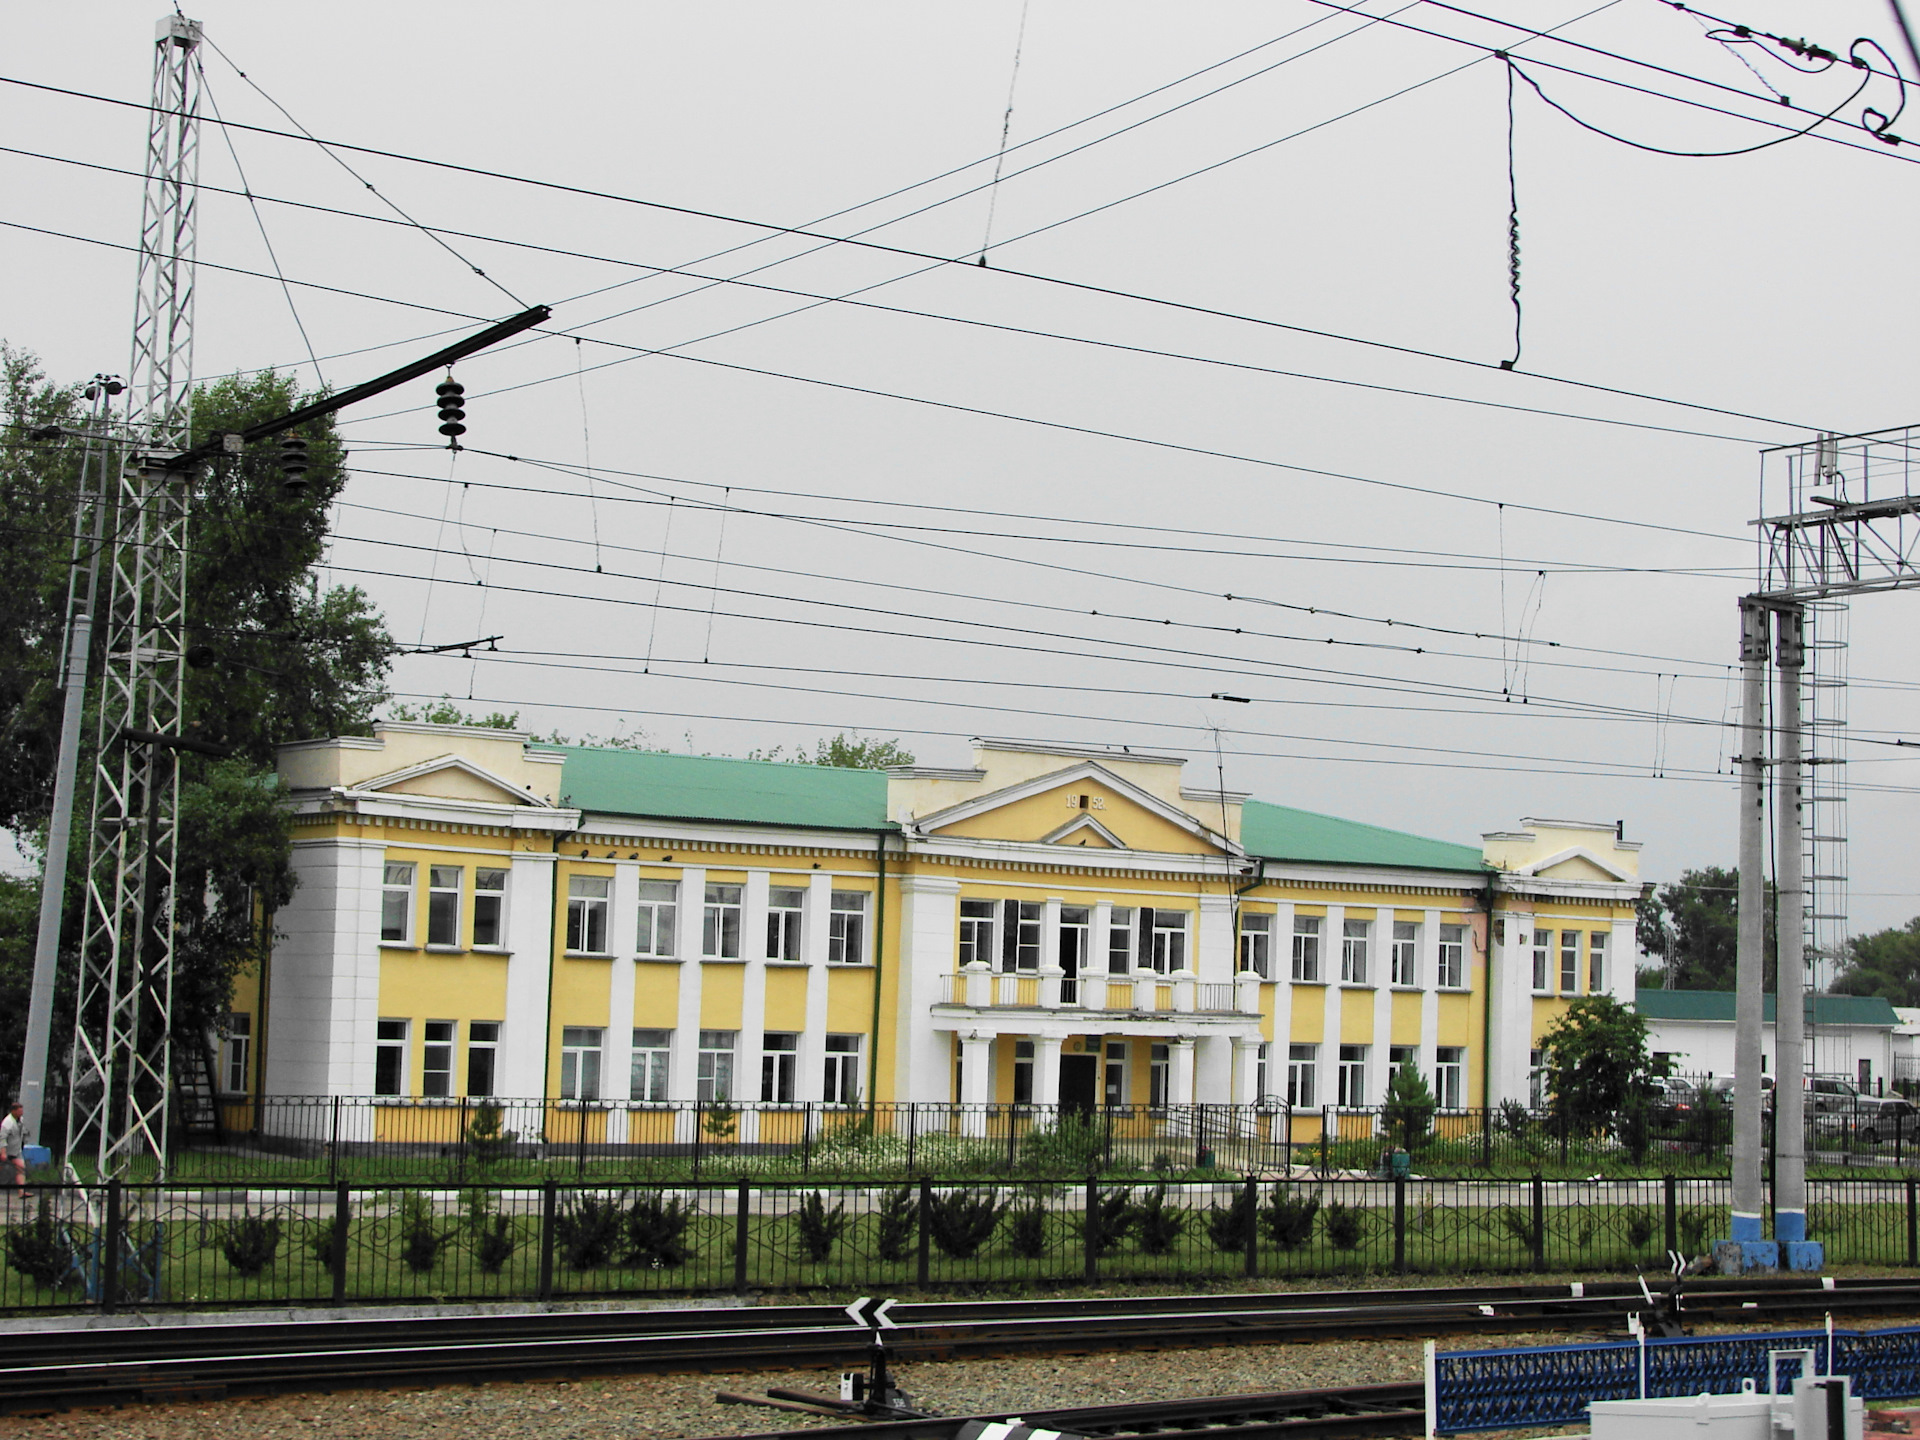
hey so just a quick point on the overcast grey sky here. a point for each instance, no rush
(768, 551)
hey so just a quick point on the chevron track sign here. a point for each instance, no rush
(872, 1313)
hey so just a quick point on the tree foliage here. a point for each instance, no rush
(1886, 963)
(842, 752)
(1698, 916)
(1596, 1061)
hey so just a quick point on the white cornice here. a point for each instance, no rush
(384, 783)
(439, 809)
(1080, 752)
(1054, 780)
(1083, 822)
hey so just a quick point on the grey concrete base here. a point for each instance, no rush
(267, 1315)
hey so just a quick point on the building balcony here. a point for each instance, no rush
(1104, 994)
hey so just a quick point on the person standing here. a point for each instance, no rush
(13, 1139)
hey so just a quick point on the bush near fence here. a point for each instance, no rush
(123, 1244)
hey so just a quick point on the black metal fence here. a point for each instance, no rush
(133, 1245)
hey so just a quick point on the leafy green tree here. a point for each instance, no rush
(1886, 963)
(842, 752)
(445, 712)
(1596, 1061)
(1697, 917)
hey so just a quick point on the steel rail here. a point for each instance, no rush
(56, 1368)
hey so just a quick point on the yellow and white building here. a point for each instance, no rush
(480, 914)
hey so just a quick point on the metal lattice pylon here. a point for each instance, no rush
(120, 1075)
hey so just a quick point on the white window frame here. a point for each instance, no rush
(1406, 954)
(1356, 936)
(1596, 962)
(391, 1045)
(483, 1039)
(1159, 1076)
(1120, 940)
(1020, 936)
(583, 1048)
(1115, 1066)
(1351, 1082)
(444, 886)
(1450, 958)
(650, 1065)
(716, 1066)
(1450, 1076)
(1542, 962)
(437, 1050)
(1537, 1078)
(978, 920)
(396, 894)
(1399, 1055)
(489, 907)
(1169, 951)
(721, 914)
(1073, 944)
(1023, 1072)
(656, 932)
(847, 927)
(1569, 962)
(843, 1073)
(236, 1046)
(1260, 1073)
(786, 910)
(1256, 945)
(1306, 949)
(589, 897)
(779, 1067)
(1303, 1064)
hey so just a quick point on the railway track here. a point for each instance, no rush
(56, 1369)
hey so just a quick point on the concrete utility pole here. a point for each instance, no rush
(1789, 1024)
(1749, 1201)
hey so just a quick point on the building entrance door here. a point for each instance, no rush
(1079, 1083)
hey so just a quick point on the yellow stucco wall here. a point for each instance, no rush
(722, 984)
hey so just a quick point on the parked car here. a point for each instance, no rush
(1672, 1094)
(1828, 1093)
(1870, 1119)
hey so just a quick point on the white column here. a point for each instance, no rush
(1046, 1066)
(1099, 935)
(1050, 971)
(1213, 958)
(976, 1080)
(1382, 956)
(530, 943)
(1430, 994)
(330, 934)
(929, 932)
(753, 996)
(813, 949)
(1180, 1058)
(1620, 961)
(1213, 1070)
(1282, 995)
(1246, 1063)
(683, 1065)
(617, 1077)
(1329, 1076)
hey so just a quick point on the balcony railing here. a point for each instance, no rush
(1140, 994)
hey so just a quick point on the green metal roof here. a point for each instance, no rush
(702, 787)
(1718, 1005)
(1279, 833)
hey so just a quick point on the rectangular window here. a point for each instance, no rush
(1452, 959)
(1353, 1075)
(1354, 935)
(1306, 948)
(1114, 1081)
(1075, 925)
(1159, 1075)
(976, 932)
(436, 1059)
(659, 911)
(1023, 1072)
(1537, 1079)
(713, 1079)
(396, 903)
(784, 909)
(1449, 1076)
(720, 923)
(489, 909)
(1302, 1061)
(1398, 1055)
(1260, 1074)
(580, 1047)
(647, 1076)
(1542, 960)
(233, 1054)
(1256, 945)
(1406, 953)
(843, 1070)
(1169, 942)
(483, 1047)
(779, 1064)
(587, 914)
(1020, 935)
(390, 1054)
(443, 904)
(1569, 962)
(847, 928)
(1120, 941)
(1597, 963)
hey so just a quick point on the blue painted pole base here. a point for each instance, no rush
(1805, 1255)
(1745, 1257)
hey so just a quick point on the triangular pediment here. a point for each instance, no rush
(1578, 863)
(1084, 804)
(452, 777)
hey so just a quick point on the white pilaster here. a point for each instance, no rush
(330, 933)
(1180, 1058)
(617, 1078)
(813, 949)
(1050, 971)
(1213, 957)
(1430, 992)
(531, 940)
(1377, 1066)
(976, 1080)
(1046, 1066)
(1331, 941)
(683, 1065)
(753, 997)
(929, 933)
(1213, 1070)
(1282, 995)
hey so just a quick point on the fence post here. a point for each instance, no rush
(806, 1138)
(699, 1129)
(1563, 1134)
(913, 1130)
(333, 1144)
(460, 1158)
(580, 1160)
(1913, 1225)
(1011, 1114)
(1486, 1137)
(337, 1260)
(548, 1196)
(1539, 1235)
(926, 1231)
(1399, 1224)
(1326, 1164)
(743, 1197)
(1253, 1227)
(1672, 1206)
(110, 1250)
(1090, 1230)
